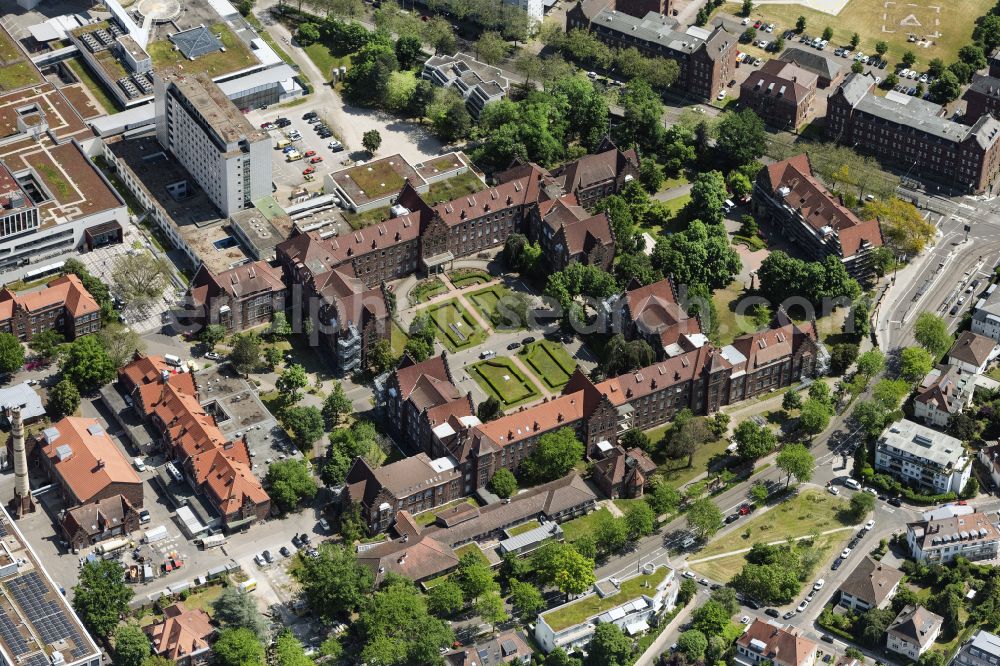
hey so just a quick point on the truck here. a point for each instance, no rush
(211, 541)
(248, 585)
(111, 546)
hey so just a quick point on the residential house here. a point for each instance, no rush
(782, 93)
(989, 456)
(788, 195)
(913, 632)
(632, 603)
(80, 457)
(706, 57)
(598, 175)
(240, 298)
(959, 531)
(909, 131)
(184, 635)
(415, 484)
(872, 584)
(828, 71)
(764, 643)
(87, 524)
(944, 392)
(64, 306)
(983, 649)
(623, 473)
(972, 352)
(507, 647)
(419, 397)
(923, 457)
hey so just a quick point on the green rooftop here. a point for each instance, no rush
(269, 208)
(586, 607)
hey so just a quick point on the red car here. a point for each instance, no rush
(316, 160)
(744, 509)
(756, 25)
(308, 170)
(309, 153)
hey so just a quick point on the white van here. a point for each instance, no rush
(175, 361)
(852, 484)
(139, 464)
(729, 205)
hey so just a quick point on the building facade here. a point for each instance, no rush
(64, 306)
(944, 392)
(983, 649)
(764, 643)
(228, 157)
(923, 457)
(420, 397)
(871, 585)
(240, 298)
(913, 632)
(941, 539)
(910, 131)
(477, 83)
(782, 93)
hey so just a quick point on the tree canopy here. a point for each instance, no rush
(87, 364)
(289, 483)
(397, 628)
(334, 583)
(101, 596)
(554, 456)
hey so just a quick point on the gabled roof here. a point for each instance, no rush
(236, 283)
(401, 478)
(182, 632)
(871, 581)
(410, 374)
(781, 80)
(784, 647)
(415, 558)
(592, 169)
(144, 369)
(584, 235)
(613, 467)
(97, 517)
(769, 345)
(916, 625)
(85, 458)
(812, 61)
(67, 290)
(517, 192)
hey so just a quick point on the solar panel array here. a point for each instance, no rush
(12, 636)
(46, 615)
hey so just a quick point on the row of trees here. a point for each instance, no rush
(629, 63)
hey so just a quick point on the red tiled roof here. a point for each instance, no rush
(784, 647)
(66, 290)
(181, 633)
(94, 462)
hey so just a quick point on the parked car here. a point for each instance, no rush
(689, 574)
(514, 345)
(818, 585)
(528, 340)
(285, 552)
(870, 524)
(826, 638)
(335, 146)
(267, 556)
(895, 501)
(836, 564)
(296, 541)
(844, 554)
(789, 615)
(732, 518)
(772, 612)
(833, 490)
(324, 524)
(213, 356)
(144, 517)
(745, 509)
(316, 160)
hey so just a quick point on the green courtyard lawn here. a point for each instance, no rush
(457, 186)
(550, 362)
(808, 512)
(456, 328)
(578, 527)
(486, 301)
(325, 59)
(724, 568)
(467, 277)
(426, 290)
(676, 471)
(501, 379)
(876, 20)
(425, 518)
(594, 604)
(398, 338)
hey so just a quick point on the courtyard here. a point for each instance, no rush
(502, 379)
(549, 362)
(455, 327)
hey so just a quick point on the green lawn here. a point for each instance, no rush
(425, 518)
(457, 186)
(97, 91)
(677, 472)
(809, 511)
(466, 277)
(18, 75)
(726, 300)
(550, 362)
(724, 568)
(235, 56)
(325, 60)
(456, 328)
(398, 338)
(576, 528)
(485, 300)
(876, 20)
(471, 548)
(594, 604)
(500, 378)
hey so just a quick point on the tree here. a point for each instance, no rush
(503, 483)
(740, 137)
(827, 33)
(931, 332)
(272, 357)
(915, 363)
(121, 342)
(971, 488)
(711, 617)
(749, 35)
(334, 583)
(236, 608)
(701, 254)
(814, 418)
(238, 647)
(855, 40)
(719, 424)
(46, 343)
(445, 599)
(871, 363)
(909, 57)
(288, 651)
(747, 7)
(336, 405)
(212, 335)
(526, 599)
(489, 410)
(561, 565)
(687, 591)
(903, 226)
(408, 51)
(639, 520)
(662, 498)
(245, 356)
(754, 441)
(946, 87)
(842, 356)
(791, 400)
(759, 492)
(371, 140)
(491, 48)
(475, 576)
(767, 583)
(795, 460)
(11, 353)
(306, 423)
(857, 67)
(554, 456)
(381, 358)
(609, 646)
(131, 645)
(140, 278)
(396, 628)
(704, 518)
(932, 658)
(783, 277)
(291, 381)
(881, 48)
(289, 483)
(491, 608)
(87, 364)
(610, 533)
(800, 24)
(708, 197)
(651, 175)
(308, 33)
(861, 505)
(101, 596)
(64, 398)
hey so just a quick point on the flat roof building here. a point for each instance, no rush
(919, 455)
(983, 649)
(477, 83)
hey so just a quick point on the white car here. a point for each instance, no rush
(769, 28)
(745, 619)
(763, 44)
(844, 554)
(852, 484)
(870, 524)
(801, 607)
(923, 78)
(819, 584)
(721, 95)
(745, 21)
(689, 574)
(592, 75)
(834, 490)
(903, 73)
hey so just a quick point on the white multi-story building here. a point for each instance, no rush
(629, 603)
(917, 454)
(535, 9)
(228, 157)
(953, 531)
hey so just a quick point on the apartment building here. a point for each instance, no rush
(420, 397)
(953, 531)
(415, 484)
(910, 131)
(782, 93)
(228, 157)
(599, 175)
(569, 234)
(64, 306)
(829, 70)
(872, 584)
(982, 97)
(240, 298)
(706, 58)
(983, 649)
(989, 456)
(788, 195)
(944, 392)
(764, 642)
(918, 455)
(986, 317)
(972, 352)
(653, 313)
(913, 632)
(477, 83)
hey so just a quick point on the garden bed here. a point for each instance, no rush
(550, 363)
(501, 379)
(427, 289)
(466, 277)
(456, 328)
